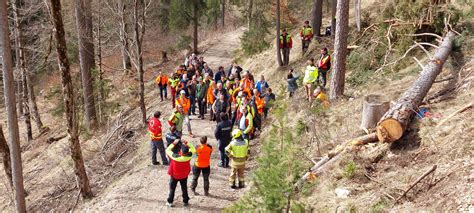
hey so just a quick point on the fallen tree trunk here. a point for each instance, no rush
(395, 121)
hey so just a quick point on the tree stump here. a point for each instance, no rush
(164, 56)
(373, 109)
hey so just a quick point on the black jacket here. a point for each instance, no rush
(223, 132)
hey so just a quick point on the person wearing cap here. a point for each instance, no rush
(154, 128)
(186, 104)
(177, 119)
(286, 43)
(238, 151)
(162, 82)
(179, 170)
(324, 64)
(306, 34)
(223, 136)
(202, 165)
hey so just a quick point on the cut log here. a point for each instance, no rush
(395, 121)
(373, 109)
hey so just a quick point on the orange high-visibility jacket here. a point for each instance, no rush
(210, 95)
(260, 102)
(203, 155)
(184, 102)
(247, 83)
(161, 80)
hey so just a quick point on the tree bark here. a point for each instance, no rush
(126, 62)
(223, 14)
(280, 62)
(317, 16)
(21, 65)
(249, 13)
(195, 26)
(357, 13)
(10, 104)
(340, 49)
(5, 153)
(86, 57)
(394, 123)
(69, 105)
(373, 109)
(19, 92)
(333, 17)
(139, 39)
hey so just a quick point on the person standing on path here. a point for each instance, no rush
(211, 98)
(245, 120)
(238, 151)
(201, 89)
(286, 43)
(171, 137)
(292, 84)
(306, 34)
(162, 82)
(223, 134)
(262, 85)
(173, 82)
(179, 170)
(154, 128)
(186, 104)
(177, 120)
(192, 95)
(269, 98)
(202, 165)
(220, 106)
(310, 77)
(324, 64)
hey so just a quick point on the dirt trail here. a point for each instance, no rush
(145, 188)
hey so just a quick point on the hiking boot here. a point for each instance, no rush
(155, 163)
(194, 191)
(169, 204)
(206, 194)
(166, 164)
(233, 187)
(241, 185)
(186, 204)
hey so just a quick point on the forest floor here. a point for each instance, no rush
(145, 187)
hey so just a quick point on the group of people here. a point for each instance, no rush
(236, 101)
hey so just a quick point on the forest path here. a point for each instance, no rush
(145, 187)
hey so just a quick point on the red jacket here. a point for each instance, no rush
(179, 170)
(154, 127)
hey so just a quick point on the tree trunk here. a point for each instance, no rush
(69, 105)
(357, 13)
(249, 13)
(333, 17)
(21, 65)
(317, 16)
(396, 120)
(280, 62)
(373, 109)
(223, 14)
(195, 26)
(19, 92)
(86, 57)
(33, 105)
(5, 153)
(99, 58)
(126, 62)
(138, 40)
(340, 49)
(10, 104)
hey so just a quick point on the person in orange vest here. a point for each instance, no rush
(248, 83)
(186, 104)
(286, 43)
(324, 65)
(162, 82)
(306, 34)
(211, 98)
(154, 128)
(202, 165)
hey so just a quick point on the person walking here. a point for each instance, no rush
(179, 170)
(154, 128)
(162, 82)
(324, 64)
(310, 77)
(286, 43)
(186, 104)
(238, 151)
(202, 165)
(292, 84)
(306, 34)
(173, 82)
(223, 134)
(177, 119)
